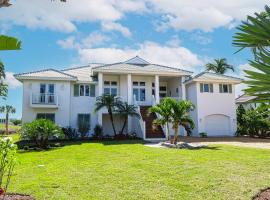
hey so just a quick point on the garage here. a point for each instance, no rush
(217, 125)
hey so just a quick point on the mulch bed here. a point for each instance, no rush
(13, 196)
(263, 195)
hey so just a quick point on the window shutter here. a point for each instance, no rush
(76, 90)
(201, 87)
(211, 88)
(230, 88)
(92, 90)
(220, 88)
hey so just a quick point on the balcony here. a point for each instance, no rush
(44, 101)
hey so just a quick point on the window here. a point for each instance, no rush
(49, 116)
(162, 90)
(225, 88)
(84, 90)
(84, 119)
(46, 93)
(206, 88)
(110, 87)
(139, 90)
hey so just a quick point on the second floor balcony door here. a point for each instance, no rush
(46, 93)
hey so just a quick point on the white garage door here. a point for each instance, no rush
(217, 125)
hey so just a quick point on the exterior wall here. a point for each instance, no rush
(107, 125)
(62, 89)
(214, 103)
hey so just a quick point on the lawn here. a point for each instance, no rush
(130, 170)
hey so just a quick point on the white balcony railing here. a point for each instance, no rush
(41, 100)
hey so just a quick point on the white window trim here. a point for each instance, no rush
(139, 87)
(110, 87)
(209, 87)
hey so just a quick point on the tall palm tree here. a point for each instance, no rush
(126, 110)
(7, 110)
(109, 102)
(254, 34)
(180, 116)
(164, 109)
(219, 66)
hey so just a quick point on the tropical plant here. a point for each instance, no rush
(16, 122)
(70, 133)
(241, 123)
(219, 66)
(164, 110)
(126, 110)
(98, 131)
(109, 102)
(180, 116)
(7, 162)
(7, 110)
(254, 34)
(40, 131)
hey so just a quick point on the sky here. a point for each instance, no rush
(184, 34)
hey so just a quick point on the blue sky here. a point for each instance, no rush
(177, 33)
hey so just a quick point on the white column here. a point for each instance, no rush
(183, 88)
(129, 89)
(100, 92)
(157, 89)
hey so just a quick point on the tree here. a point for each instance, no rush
(180, 116)
(164, 109)
(7, 110)
(219, 66)
(241, 125)
(254, 34)
(126, 110)
(109, 102)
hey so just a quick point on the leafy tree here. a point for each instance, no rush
(164, 109)
(40, 131)
(219, 66)
(109, 102)
(126, 110)
(180, 116)
(254, 34)
(7, 110)
(241, 123)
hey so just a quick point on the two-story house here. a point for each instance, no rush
(68, 96)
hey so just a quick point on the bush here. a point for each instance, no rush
(98, 131)
(70, 133)
(83, 129)
(16, 122)
(40, 131)
(203, 134)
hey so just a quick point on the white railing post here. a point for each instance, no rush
(144, 135)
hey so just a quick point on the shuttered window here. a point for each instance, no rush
(92, 90)
(84, 90)
(206, 87)
(225, 88)
(48, 116)
(76, 90)
(84, 119)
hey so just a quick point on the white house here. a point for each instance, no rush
(68, 96)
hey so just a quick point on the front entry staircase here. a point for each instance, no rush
(151, 133)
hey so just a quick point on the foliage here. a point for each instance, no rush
(254, 34)
(7, 110)
(16, 122)
(164, 111)
(9, 43)
(126, 110)
(203, 134)
(241, 123)
(98, 131)
(70, 133)
(83, 129)
(109, 102)
(219, 66)
(40, 131)
(7, 161)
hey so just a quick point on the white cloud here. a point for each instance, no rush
(204, 15)
(68, 43)
(200, 38)
(155, 53)
(113, 26)
(11, 81)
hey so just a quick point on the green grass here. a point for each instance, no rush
(129, 170)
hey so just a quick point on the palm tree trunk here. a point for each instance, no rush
(124, 125)
(168, 132)
(6, 123)
(111, 118)
(176, 128)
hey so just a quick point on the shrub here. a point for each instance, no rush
(203, 134)
(16, 122)
(70, 133)
(83, 129)
(7, 156)
(40, 131)
(98, 131)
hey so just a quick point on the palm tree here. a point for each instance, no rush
(126, 110)
(219, 66)
(180, 116)
(164, 109)
(7, 110)
(109, 102)
(254, 34)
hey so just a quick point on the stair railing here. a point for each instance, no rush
(141, 121)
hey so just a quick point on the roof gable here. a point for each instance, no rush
(137, 61)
